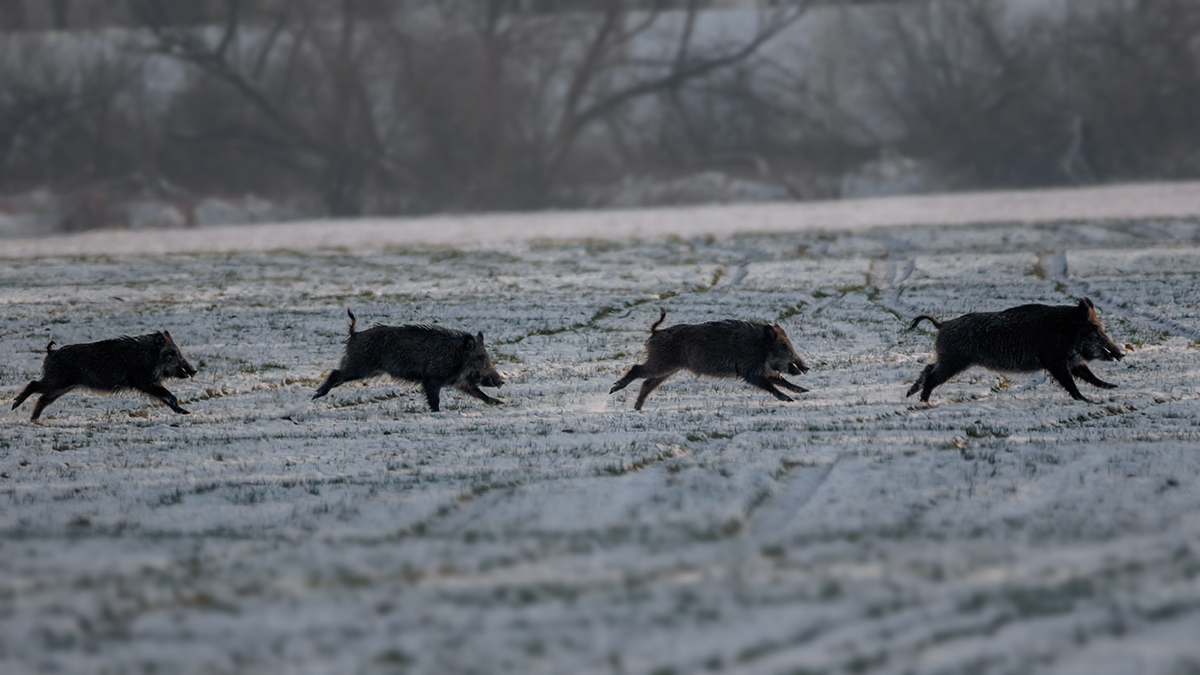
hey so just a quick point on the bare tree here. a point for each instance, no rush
(60, 12)
(612, 69)
(458, 104)
(295, 89)
(967, 94)
(60, 123)
(1007, 95)
(1129, 73)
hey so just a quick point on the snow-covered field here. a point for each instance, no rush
(1003, 529)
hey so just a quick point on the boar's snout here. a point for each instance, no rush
(1095, 344)
(1100, 346)
(797, 367)
(183, 369)
(169, 355)
(492, 380)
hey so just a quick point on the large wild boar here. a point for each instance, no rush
(139, 363)
(756, 352)
(1059, 338)
(431, 355)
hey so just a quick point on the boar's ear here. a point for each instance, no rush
(479, 337)
(468, 342)
(167, 335)
(769, 334)
(1086, 303)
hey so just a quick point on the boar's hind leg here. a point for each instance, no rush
(160, 392)
(764, 383)
(32, 388)
(336, 377)
(779, 381)
(648, 386)
(1063, 375)
(1084, 373)
(920, 380)
(477, 393)
(633, 374)
(935, 375)
(46, 399)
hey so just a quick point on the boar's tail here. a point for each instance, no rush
(662, 314)
(353, 321)
(50, 347)
(930, 319)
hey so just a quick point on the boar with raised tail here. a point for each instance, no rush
(756, 352)
(1058, 338)
(433, 356)
(139, 363)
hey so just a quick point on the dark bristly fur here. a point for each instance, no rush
(139, 363)
(1058, 338)
(756, 352)
(435, 357)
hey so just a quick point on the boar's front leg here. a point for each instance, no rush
(780, 382)
(764, 383)
(477, 393)
(1063, 375)
(160, 392)
(1084, 373)
(46, 399)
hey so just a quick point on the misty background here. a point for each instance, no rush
(179, 113)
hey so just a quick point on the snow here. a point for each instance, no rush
(1118, 202)
(1005, 528)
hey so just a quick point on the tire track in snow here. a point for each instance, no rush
(773, 516)
(482, 498)
(887, 278)
(457, 503)
(1114, 411)
(718, 283)
(1053, 267)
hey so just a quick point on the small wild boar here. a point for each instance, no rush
(431, 355)
(140, 363)
(1058, 338)
(756, 352)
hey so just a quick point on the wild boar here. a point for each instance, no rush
(140, 363)
(431, 355)
(756, 352)
(1059, 338)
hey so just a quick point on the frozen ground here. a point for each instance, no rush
(1004, 529)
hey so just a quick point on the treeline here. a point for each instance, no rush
(410, 106)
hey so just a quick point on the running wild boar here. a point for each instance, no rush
(755, 352)
(431, 355)
(1058, 338)
(139, 363)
